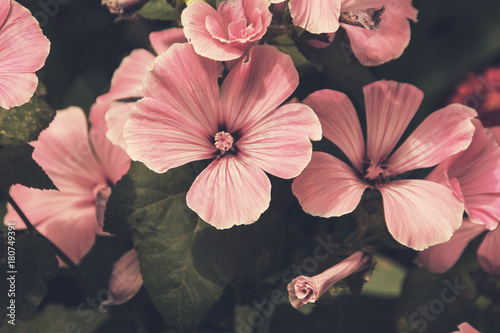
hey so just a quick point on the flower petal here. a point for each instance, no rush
(442, 134)
(68, 219)
(128, 79)
(488, 252)
(16, 88)
(375, 47)
(328, 187)
(441, 257)
(162, 40)
(195, 19)
(163, 138)
(390, 106)
(116, 117)
(64, 153)
(220, 194)
(187, 83)
(340, 123)
(256, 86)
(317, 17)
(280, 142)
(421, 213)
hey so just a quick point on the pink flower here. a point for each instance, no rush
(128, 79)
(225, 34)
(475, 175)
(303, 289)
(83, 165)
(466, 328)
(185, 118)
(476, 172)
(125, 281)
(482, 92)
(371, 46)
(419, 213)
(24, 49)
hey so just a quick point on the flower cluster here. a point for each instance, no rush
(215, 91)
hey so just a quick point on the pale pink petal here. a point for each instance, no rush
(328, 187)
(488, 252)
(23, 51)
(113, 160)
(128, 79)
(230, 192)
(484, 209)
(125, 281)
(256, 86)
(162, 40)
(280, 142)
(467, 328)
(116, 117)
(421, 213)
(390, 106)
(195, 21)
(163, 138)
(317, 17)
(441, 257)
(187, 83)
(64, 153)
(440, 175)
(444, 133)
(374, 47)
(66, 218)
(340, 123)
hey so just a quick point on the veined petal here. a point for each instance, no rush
(442, 134)
(488, 252)
(280, 142)
(64, 153)
(187, 83)
(220, 194)
(162, 40)
(25, 85)
(128, 78)
(162, 138)
(421, 213)
(441, 257)
(196, 19)
(67, 219)
(116, 117)
(328, 187)
(317, 17)
(340, 123)
(256, 86)
(390, 106)
(113, 160)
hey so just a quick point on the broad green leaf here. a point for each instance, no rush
(386, 280)
(18, 167)
(35, 264)
(158, 10)
(185, 262)
(57, 319)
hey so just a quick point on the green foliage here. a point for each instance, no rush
(35, 264)
(18, 126)
(286, 45)
(158, 10)
(185, 262)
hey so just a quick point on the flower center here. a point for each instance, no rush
(224, 142)
(375, 174)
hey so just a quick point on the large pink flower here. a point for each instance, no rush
(23, 51)
(477, 171)
(419, 213)
(371, 46)
(128, 79)
(185, 118)
(83, 165)
(303, 289)
(227, 33)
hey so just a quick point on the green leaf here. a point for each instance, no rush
(35, 264)
(286, 45)
(57, 318)
(386, 280)
(185, 262)
(18, 167)
(158, 10)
